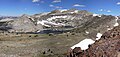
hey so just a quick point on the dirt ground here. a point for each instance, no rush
(37, 45)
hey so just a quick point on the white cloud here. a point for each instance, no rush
(78, 5)
(104, 10)
(118, 3)
(58, 7)
(56, 1)
(108, 10)
(51, 5)
(35, 0)
(101, 10)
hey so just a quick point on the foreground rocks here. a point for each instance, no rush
(107, 46)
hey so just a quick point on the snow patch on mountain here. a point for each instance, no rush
(76, 11)
(55, 17)
(49, 24)
(5, 20)
(43, 23)
(84, 44)
(63, 10)
(45, 13)
(98, 36)
(86, 32)
(116, 24)
(97, 15)
(109, 28)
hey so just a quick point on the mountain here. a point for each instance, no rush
(24, 23)
(56, 19)
(11, 17)
(72, 19)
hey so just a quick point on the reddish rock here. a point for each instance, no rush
(107, 46)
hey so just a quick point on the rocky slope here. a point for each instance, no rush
(24, 24)
(96, 24)
(57, 19)
(63, 20)
(77, 21)
(107, 46)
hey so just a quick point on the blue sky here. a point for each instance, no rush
(19, 7)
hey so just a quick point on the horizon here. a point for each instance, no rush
(31, 7)
(47, 12)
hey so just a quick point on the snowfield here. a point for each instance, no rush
(83, 44)
(49, 24)
(116, 24)
(7, 19)
(55, 17)
(63, 10)
(97, 15)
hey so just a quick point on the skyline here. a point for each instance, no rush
(30, 7)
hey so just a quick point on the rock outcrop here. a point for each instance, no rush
(107, 46)
(25, 24)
